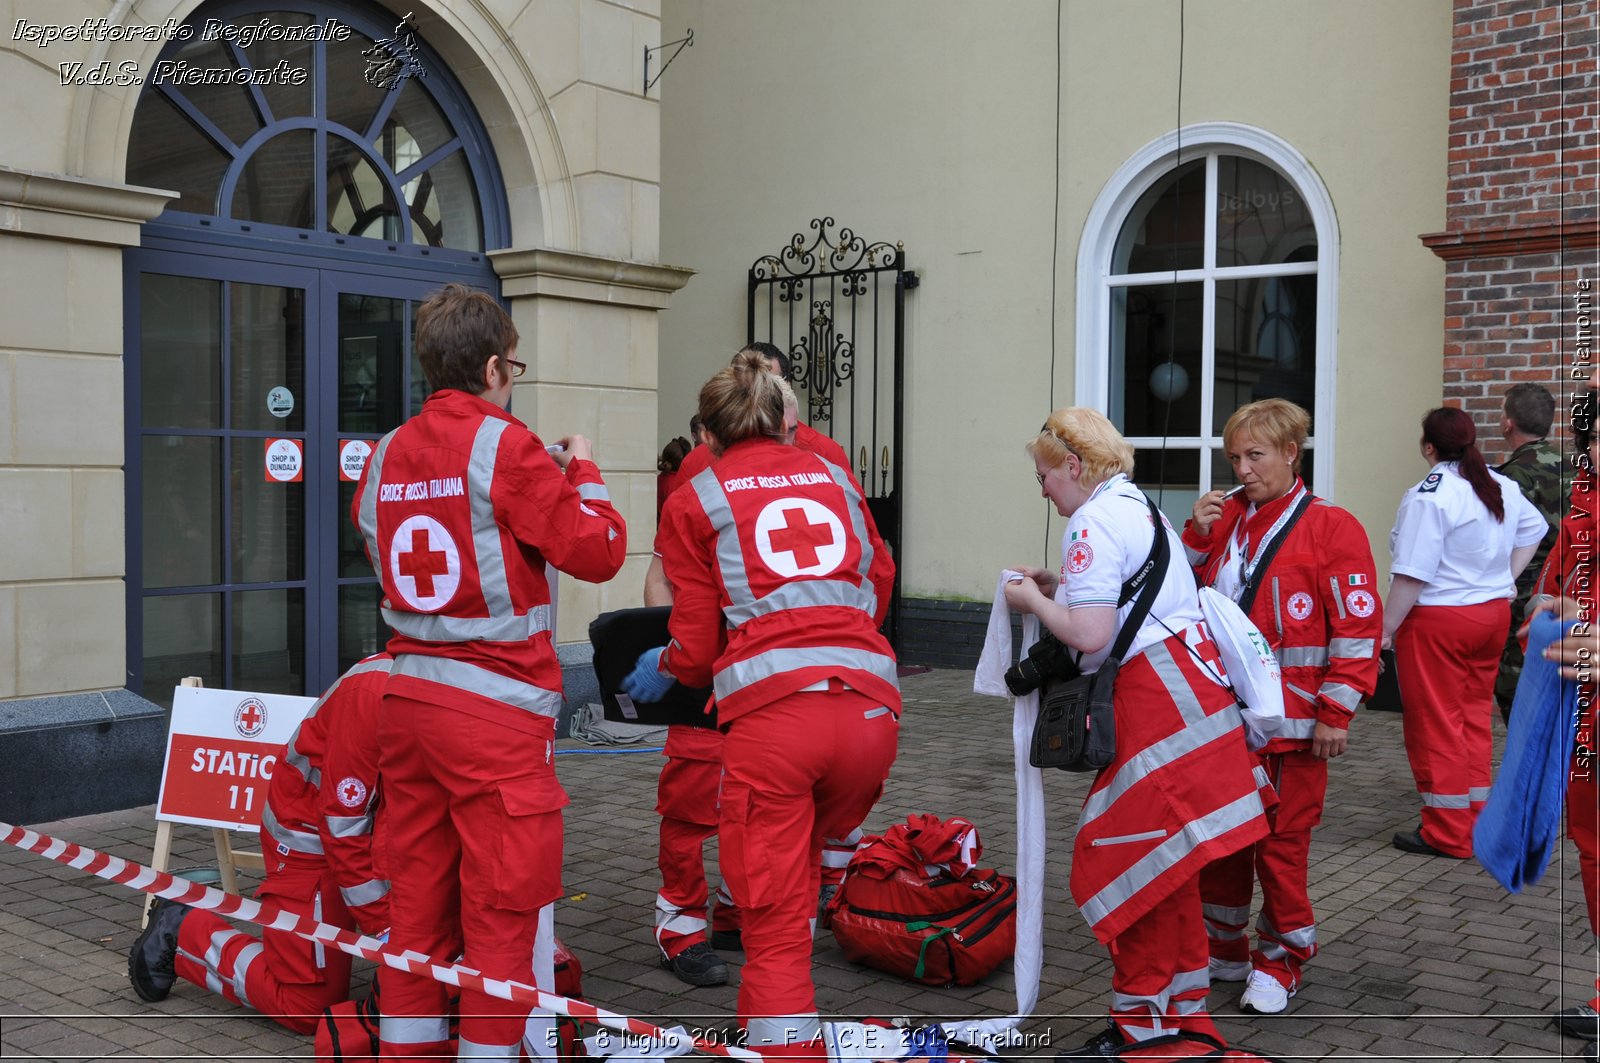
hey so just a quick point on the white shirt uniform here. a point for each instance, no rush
(1106, 541)
(1448, 539)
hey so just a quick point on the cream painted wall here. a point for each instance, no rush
(933, 122)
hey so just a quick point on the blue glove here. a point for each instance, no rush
(647, 683)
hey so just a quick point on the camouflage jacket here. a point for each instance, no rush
(1545, 478)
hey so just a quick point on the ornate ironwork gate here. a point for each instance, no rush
(835, 304)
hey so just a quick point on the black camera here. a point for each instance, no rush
(1047, 659)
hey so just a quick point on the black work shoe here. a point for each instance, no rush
(1410, 841)
(1580, 1020)
(1103, 1045)
(150, 960)
(727, 940)
(698, 965)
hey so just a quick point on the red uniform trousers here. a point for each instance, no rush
(1159, 978)
(1583, 827)
(686, 800)
(797, 771)
(472, 840)
(1286, 931)
(282, 975)
(1447, 657)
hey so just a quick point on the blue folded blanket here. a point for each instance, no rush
(1517, 828)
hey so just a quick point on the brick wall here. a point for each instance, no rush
(941, 633)
(1522, 202)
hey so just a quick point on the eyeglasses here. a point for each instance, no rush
(1040, 477)
(517, 368)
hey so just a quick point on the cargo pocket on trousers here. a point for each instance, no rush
(742, 860)
(527, 874)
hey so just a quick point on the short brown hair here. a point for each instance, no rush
(458, 330)
(743, 401)
(1275, 422)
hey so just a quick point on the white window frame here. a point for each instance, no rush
(1111, 209)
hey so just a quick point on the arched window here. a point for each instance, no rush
(294, 133)
(1206, 282)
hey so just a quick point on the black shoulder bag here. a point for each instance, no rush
(1076, 727)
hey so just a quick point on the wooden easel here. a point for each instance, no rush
(229, 859)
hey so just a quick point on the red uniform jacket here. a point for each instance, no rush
(323, 794)
(1317, 603)
(461, 508)
(1570, 568)
(779, 580)
(824, 447)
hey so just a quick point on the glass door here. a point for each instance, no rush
(222, 568)
(255, 395)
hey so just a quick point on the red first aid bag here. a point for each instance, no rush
(912, 903)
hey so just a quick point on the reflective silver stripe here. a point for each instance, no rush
(1296, 728)
(1156, 1005)
(1478, 794)
(1272, 950)
(292, 755)
(213, 958)
(1259, 774)
(1177, 684)
(782, 1030)
(213, 983)
(1226, 914)
(436, 627)
(803, 594)
(406, 1030)
(1219, 932)
(300, 841)
(1446, 801)
(1303, 656)
(348, 826)
(873, 714)
(1340, 694)
(473, 1050)
(375, 889)
(740, 674)
(1338, 599)
(730, 555)
(470, 677)
(671, 919)
(1195, 556)
(1189, 981)
(317, 947)
(241, 971)
(1165, 856)
(858, 527)
(367, 515)
(1358, 648)
(1277, 608)
(1304, 938)
(485, 531)
(592, 492)
(1154, 757)
(1190, 1006)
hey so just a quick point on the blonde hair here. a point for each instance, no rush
(743, 401)
(1275, 422)
(1088, 434)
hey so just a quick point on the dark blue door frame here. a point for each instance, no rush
(322, 283)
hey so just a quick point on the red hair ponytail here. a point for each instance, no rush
(1453, 437)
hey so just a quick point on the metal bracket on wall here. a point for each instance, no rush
(686, 41)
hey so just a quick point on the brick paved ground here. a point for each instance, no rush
(1423, 958)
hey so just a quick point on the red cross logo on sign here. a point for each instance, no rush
(800, 537)
(250, 718)
(424, 563)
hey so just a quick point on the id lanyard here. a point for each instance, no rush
(1241, 542)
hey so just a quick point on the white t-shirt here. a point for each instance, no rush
(1447, 538)
(1106, 541)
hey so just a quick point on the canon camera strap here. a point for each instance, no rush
(1143, 584)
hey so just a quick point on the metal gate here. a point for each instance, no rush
(836, 305)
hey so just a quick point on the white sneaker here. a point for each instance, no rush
(1227, 970)
(1265, 994)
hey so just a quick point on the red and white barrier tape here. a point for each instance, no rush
(266, 914)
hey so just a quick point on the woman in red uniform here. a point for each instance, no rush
(1182, 789)
(1459, 540)
(779, 582)
(1301, 567)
